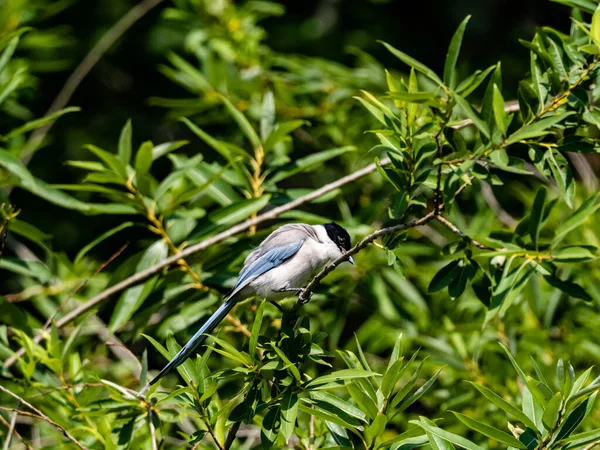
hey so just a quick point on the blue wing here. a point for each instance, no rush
(266, 262)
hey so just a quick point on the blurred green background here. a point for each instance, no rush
(120, 85)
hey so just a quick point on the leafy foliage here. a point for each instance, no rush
(506, 250)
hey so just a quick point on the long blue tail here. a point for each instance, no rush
(197, 340)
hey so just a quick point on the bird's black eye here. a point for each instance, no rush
(339, 236)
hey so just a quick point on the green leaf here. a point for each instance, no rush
(396, 352)
(99, 239)
(587, 208)
(445, 276)
(230, 215)
(551, 412)
(133, 298)
(166, 147)
(537, 215)
(111, 161)
(574, 253)
(376, 428)
(473, 82)
(413, 97)
(514, 363)
(256, 329)
(243, 123)
(232, 352)
(391, 377)
(530, 439)
(125, 143)
(580, 440)
(281, 131)
(267, 118)
(289, 412)
(33, 124)
(307, 163)
(489, 431)
(472, 115)
(419, 392)
(341, 375)
(575, 418)
(403, 392)
(326, 415)
(413, 63)
(143, 160)
(595, 28)
(362, 399)
(288, 364)
(538, 128)
(270, 428)
(499, 114)
(8, 52)
(568, 287)
(452, 55)
(17, 168)
(505, 406)
(339, 403)
(446, 435)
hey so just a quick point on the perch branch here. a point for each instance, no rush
(40, 415)
(305, 294)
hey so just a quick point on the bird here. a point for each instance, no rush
(281, 265)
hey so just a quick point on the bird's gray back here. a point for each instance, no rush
(281, 237)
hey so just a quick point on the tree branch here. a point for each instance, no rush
(16, 433)
(232, 434)
(11, 428)
(458, 232)
(40, 415)
(152, 428)
(305, 294)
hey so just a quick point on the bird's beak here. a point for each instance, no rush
(351, 260)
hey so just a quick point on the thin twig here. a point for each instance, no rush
(592, 445)
(39, 414)
(16, 433)
(69, 387)
(11, 428)
(152, 429)
(510, 106)
(305, 294)
(42, 333)
(84, 67)
(231, 436)
(492, 201)
(458, 232)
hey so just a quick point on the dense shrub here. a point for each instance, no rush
(469, 322)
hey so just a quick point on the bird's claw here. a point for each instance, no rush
(304, 295)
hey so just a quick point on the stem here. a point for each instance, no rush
(39, 415)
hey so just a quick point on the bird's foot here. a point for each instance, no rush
(303, 295)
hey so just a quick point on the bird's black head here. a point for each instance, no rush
(338, 235)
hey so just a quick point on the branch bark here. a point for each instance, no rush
(305, 294)
(40, 415)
